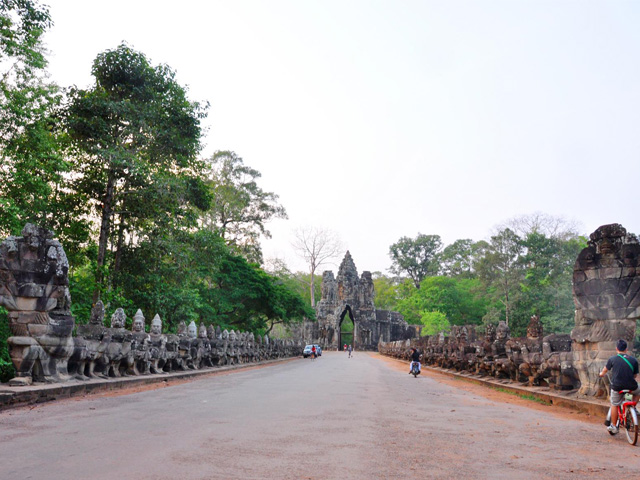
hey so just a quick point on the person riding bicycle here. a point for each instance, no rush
(415, 357)
(624, 370)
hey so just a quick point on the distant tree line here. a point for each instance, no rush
(115, 171)
(524, 269)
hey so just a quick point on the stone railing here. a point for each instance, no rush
(34, 289)
(534, 360)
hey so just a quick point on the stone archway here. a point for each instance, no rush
(345, 334)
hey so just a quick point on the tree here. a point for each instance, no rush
(542, 223)
(239, 209)
(33, 166)
(546, 287)
(22, 64)
(417, 257)
(136, 135)
(458, 299)
(316, 246)
(500, 269)
(386, 297)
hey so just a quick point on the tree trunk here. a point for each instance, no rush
(116, 267)
(105, 226)
(311, 286)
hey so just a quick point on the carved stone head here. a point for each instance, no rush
(182, 329)
(605, 277)
(534, 330)
(232, 336)
(97, 314)
(225, 334)
(138, 322)
(502, 333)
(211, 332)
(202, 331)
(490, 333)
(192, 330)
(118, 318)
(156, 325)
(218, 333)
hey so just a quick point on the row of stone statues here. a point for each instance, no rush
(34, 288)
(534, 359)
(114, 351)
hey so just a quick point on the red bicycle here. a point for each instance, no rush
(627, 418)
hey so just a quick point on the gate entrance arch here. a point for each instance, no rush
(346, 330)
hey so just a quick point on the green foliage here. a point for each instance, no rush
(7, 372)
(386, 291)
(239, 209)
(501, 271)
(434, 322)
(195, 276)
(135, 137)
(459, 300)
(418, 257)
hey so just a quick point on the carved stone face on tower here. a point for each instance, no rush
(192, 330)
(156, 325)
(138, 322)
(118, 318)
(202, 331)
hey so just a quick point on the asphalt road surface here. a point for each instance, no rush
(332, 418)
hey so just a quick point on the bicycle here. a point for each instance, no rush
(627, 418)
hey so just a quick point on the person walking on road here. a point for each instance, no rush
(313, 353)
(349, 349)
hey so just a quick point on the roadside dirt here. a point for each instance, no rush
(493, 394)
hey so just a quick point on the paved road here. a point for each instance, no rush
(333, 418)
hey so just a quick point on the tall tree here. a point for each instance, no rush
(500, 269)
(22, 64)
(316, 246)
(417, 257)
(33, 167)
(240, 209)
(135, 132)
(552, 226)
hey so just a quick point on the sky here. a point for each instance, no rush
(383, 119)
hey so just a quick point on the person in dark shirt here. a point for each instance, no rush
(624, 370)
(415, 357)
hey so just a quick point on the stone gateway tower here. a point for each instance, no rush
(346, 313)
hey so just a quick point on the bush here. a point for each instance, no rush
(7, 372)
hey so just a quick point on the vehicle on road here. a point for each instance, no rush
(307, 351)
(627, 418)
(415, 370)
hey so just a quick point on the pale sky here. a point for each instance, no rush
(382, 119)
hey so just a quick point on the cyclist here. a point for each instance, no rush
(624, 369)
(415, 357)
